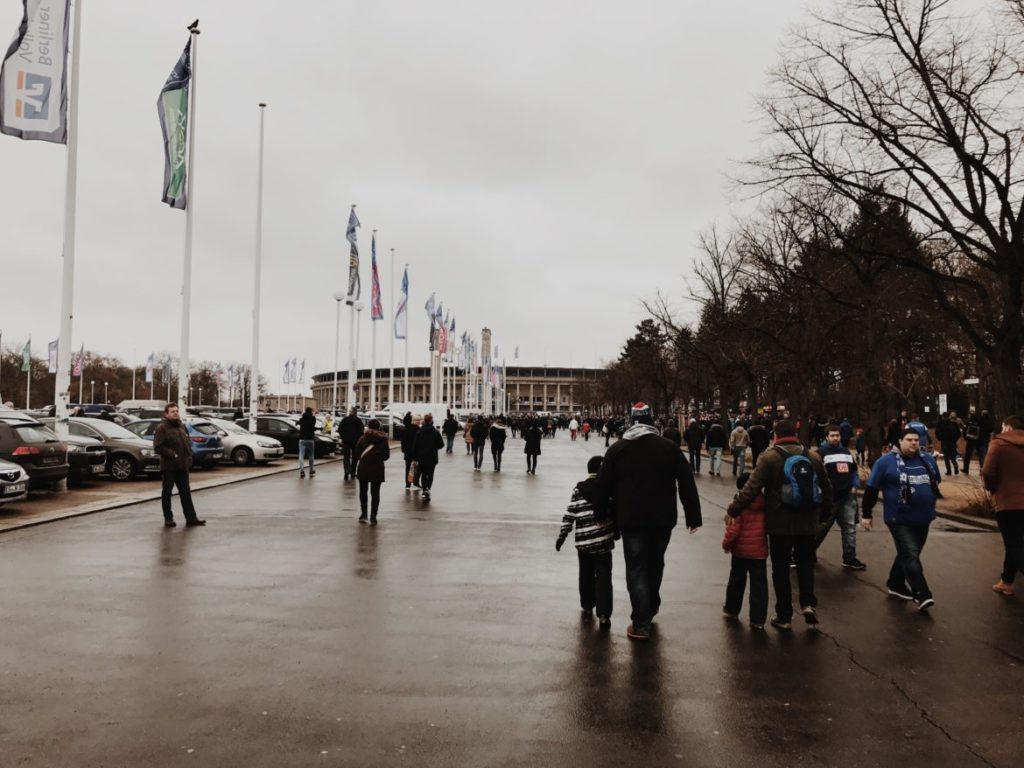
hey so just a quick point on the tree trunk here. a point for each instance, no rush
(1006, 368)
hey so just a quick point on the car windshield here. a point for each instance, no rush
(35, 433)
(204, 428)
(110, 429)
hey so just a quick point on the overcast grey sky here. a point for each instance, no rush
(542, 165)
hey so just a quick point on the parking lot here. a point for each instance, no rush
(102, 494)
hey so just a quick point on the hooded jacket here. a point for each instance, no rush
(1003, 471)
(768, 477)
(694, 436)
(371, 452)
(350, 430)
(642, 475)
(745, 536)
(497, 435)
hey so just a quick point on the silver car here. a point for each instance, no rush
(128, 455)
(13, 482)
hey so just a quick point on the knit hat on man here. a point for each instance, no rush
(641, 413)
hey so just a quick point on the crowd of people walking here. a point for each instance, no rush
(788, 498)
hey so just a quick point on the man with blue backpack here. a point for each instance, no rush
(796, 487)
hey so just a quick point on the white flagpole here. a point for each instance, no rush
(190, 204)
(391, 355)
(406, 398)
(28, 384)
(257, 270)
(62, 385)
(373, 344)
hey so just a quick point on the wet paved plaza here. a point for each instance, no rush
(285, 634)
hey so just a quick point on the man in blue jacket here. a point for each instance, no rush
(842, 472)
(909, 483)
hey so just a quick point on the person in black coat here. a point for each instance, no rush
(370, 453)
(497, 437)
(760, 437)
(479, 434)
(532, 436)
(350, 430)
(694, 437)
(671, 432)
(412, 429)
(307, 442)
(450, 428)
(639, 481)
(425, 449)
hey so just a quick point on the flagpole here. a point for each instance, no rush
(28, 379)
(374, 278)
(186, 278)
(257, 271)
(406, 398)
(62, 384)
(391, 355)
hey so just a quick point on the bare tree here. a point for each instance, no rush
(907, 101)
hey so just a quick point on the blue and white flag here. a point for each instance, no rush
(376, 307)
(150, 361)
(353, 259)
(33, 76)
(402, 310)
(429, 306)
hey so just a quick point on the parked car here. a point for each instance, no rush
(241, 447)
(207, 448)
(86, 458)
(27, 442)
(13, 482)
(286, 430)
(128, 455)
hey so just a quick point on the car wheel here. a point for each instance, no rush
(122, 467)
(242, 456)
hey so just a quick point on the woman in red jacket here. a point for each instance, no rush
(746, 540)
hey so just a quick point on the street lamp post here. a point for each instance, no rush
(338, 298)
(105, 399)
(358, 306)
(92, 391)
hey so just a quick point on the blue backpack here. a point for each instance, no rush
(800, 489)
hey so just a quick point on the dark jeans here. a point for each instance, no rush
(1011, 525)
(758, 570)
(427, 477)
(754, 453)
(373, 486)
(971, 448)
(469, 447)
(906, 568)
(949, 454)
(644, 552)
(346, 454)
(785, 550)
(177, 478)
(694, 459)
(596, 582)
(531, 462)
(449, 443)
(478, 455)
(496, 455)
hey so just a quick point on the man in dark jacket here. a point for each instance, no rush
(350, 430)
(947, 432)
(671, 432)
(479, 434)
(172, 444)
(496, 434)
(640, 478)
(450, 430)
(791, 527)
(425, 449)
(412, 428)
(716, 442)
(694, 437)
(307, 442)
(759, 440)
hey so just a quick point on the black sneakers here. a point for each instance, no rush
(901, 592)
(924, 604)
(195, 521)
(855, 565)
